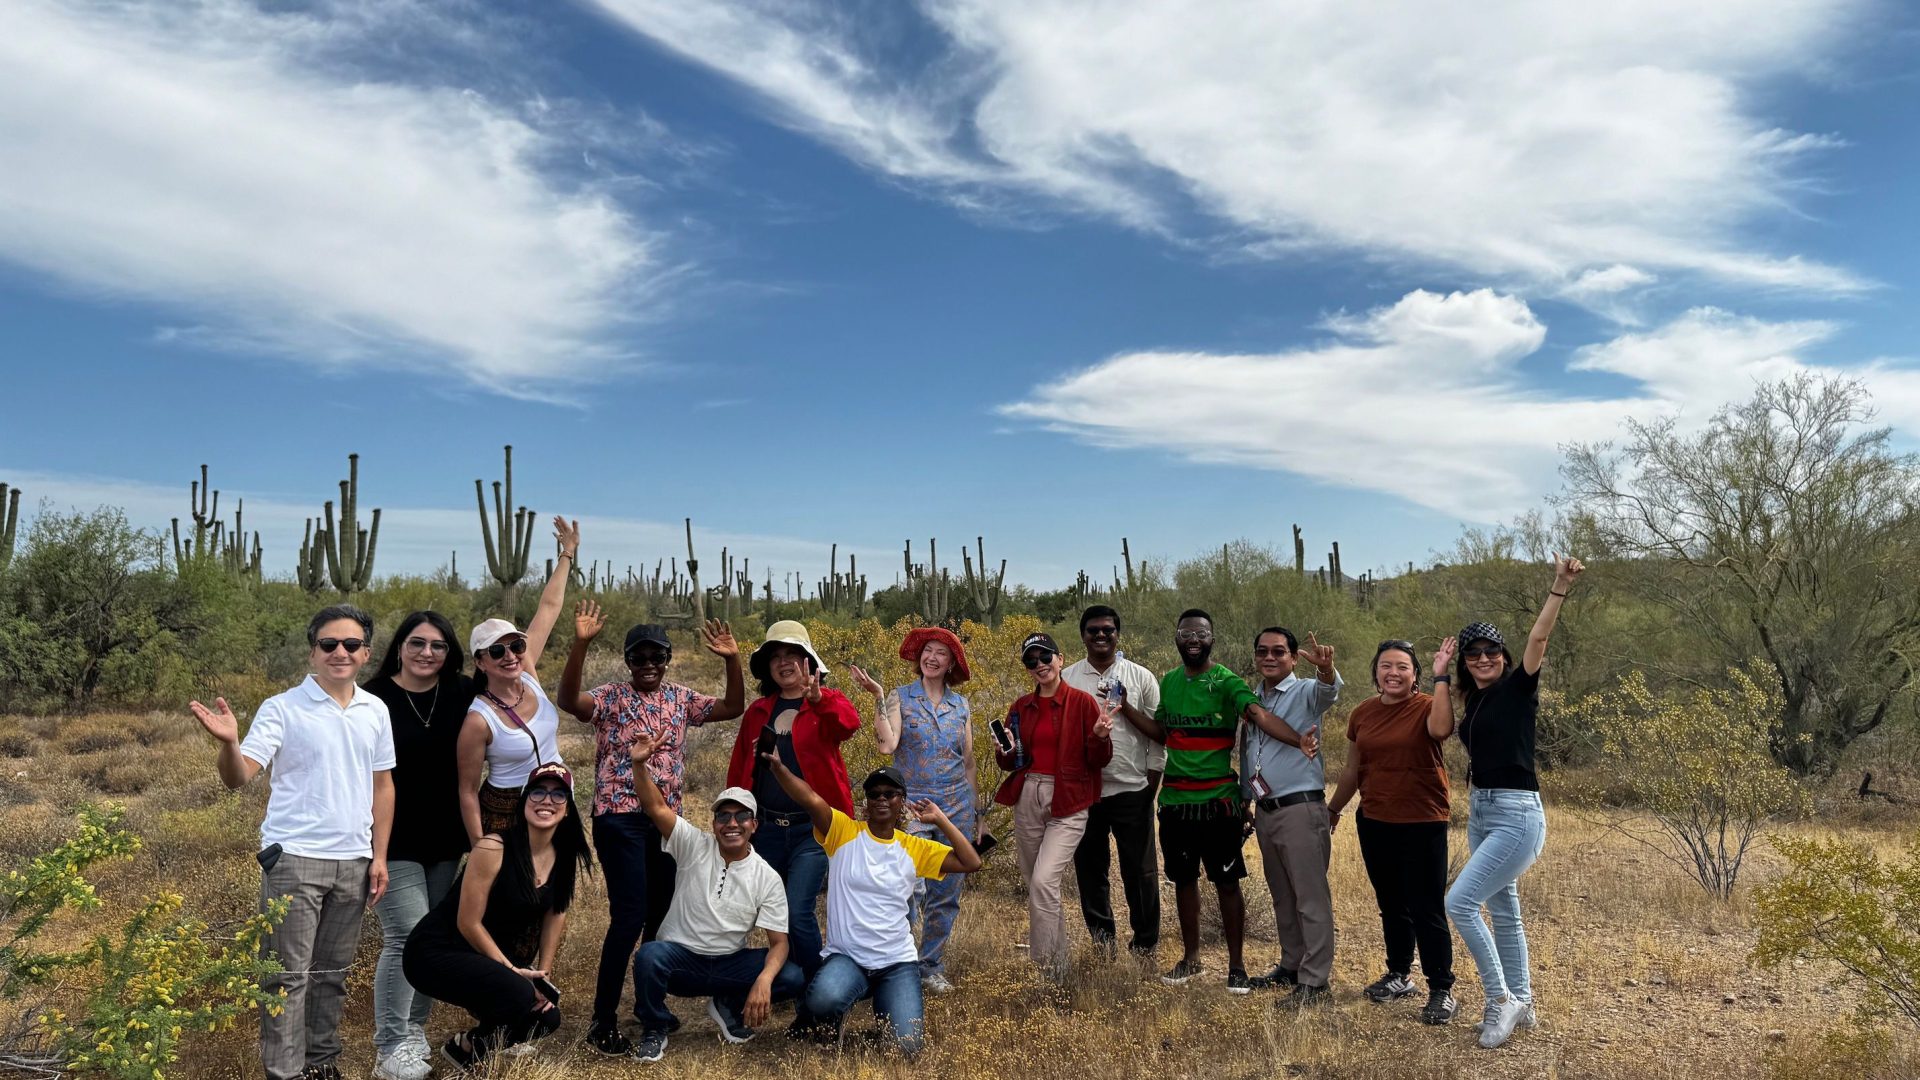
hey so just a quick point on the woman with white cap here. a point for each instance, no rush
(512, 727)
(804, 724)
(1506, 825)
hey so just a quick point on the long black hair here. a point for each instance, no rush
(449, 667)
(1464, 679)
(570, 855)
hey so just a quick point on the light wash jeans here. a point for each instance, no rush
(1506, 828)
(413, 889)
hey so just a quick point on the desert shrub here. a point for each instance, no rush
(121, 1003)
(1699, 768)
(1856, 1051)
(17, 744)
(210, 832)
(1837, 901)
(92, 734)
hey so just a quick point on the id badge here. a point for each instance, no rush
(1261, 789)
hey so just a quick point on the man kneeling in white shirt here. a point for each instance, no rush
(722, 890)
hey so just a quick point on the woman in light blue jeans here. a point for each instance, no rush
(1506, 825)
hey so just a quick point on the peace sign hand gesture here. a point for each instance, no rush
(1103, 727)
(812, 693)
(1443, 656)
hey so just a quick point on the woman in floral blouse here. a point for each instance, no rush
(639, 874)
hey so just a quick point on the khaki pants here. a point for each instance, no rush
(1047, 844)
(1295, 847)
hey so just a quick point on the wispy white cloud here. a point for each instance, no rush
(228, 161)
(1517, 140)
(1436, 399)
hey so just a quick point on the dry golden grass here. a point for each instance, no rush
(1637, 972)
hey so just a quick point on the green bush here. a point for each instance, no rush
(1840, 903)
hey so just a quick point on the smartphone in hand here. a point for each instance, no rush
(769, 741)
(1001, 736)
(987, 843)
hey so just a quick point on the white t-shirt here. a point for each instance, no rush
(717, 903)
(513, 754)
(869, 882)
(320, 760)
(1134, 755)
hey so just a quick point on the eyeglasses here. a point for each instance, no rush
(1193, 635)
(499, 650)
(328, 644)
(887, 795)
(732, 817)
(1036, 659)
(1101, 631)
(547, 794)
(1272, 650)
(1483, 652)
(649, 659)
(422, 645)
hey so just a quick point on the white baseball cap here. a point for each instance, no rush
(489, 632)
(737, 795)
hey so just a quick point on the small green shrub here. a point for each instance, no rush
(1839, 902)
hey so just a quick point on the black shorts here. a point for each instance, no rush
(1191, 837)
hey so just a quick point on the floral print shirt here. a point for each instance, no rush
(619, 712)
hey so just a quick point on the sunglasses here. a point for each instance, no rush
(1272, 650)
(1101, 631)
(887, 795)
(1036, 659)
(1483, 652)
(732, 817)
(499, 650)
(422, 645)
(547, 794)
(649, 659)
(328, 644)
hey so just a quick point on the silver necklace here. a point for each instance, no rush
(427, 720)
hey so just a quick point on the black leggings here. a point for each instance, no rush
(501, 1001)
(1407, 863)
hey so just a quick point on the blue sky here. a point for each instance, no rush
(848, 273)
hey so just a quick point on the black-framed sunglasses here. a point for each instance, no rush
(328, 644)
(650, 659)
(1272, 650)
(1482, 652)
(1101, 631)
(732, 817)
(499, 650)
(887, 794)
(422, 645)
(1036, 658)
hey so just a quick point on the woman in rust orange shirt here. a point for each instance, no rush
(1395, 766)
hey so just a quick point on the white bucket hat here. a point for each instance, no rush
(784, 632)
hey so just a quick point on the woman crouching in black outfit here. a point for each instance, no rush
(489, 945)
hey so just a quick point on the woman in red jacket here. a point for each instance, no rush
(809, 722)
(1061, 739)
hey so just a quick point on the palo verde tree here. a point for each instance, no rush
(1784, 529)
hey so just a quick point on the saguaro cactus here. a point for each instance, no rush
(236, 556)
(848, 590)
(203, 504)
(350, 560)
(311, 570)
(928, 585)
(1299, 553)
(985, 592)
(9, 522)
(508, 541)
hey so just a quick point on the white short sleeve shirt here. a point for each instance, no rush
(320, 760)
(717, 903)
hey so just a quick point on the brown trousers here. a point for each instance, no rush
(1295, 847)
(1047, 844)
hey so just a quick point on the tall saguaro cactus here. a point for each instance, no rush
(929, 585)
(9, 522)
(311, 570)
(508, 541)
(211, 539)
(236, 556)
(350, 557)
(983, 589)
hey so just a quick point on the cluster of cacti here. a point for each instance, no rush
(846, 591)
(348, 560)
(930, 586)
(9, 522)
(508, 538)
(984, 592)
(238, 553)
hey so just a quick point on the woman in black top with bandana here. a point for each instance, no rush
(1506, 825)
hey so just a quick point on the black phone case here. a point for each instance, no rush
(768, 742)
(267, 856)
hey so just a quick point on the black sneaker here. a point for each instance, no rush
(1439, 1009)
(733, 1027)
(607, 1039)
(1276, 978)
(651, 1047)
(461, 1053)
(1183, 972)
(1307, 997)
(1392, 985)
(1237, 982)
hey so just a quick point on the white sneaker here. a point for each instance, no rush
(1500, 1021)
(1529, 1019)
(417, 1038)
(404, 1063)
(935, 983)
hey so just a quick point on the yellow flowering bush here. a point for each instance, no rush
(120, 1004)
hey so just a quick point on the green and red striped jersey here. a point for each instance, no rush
(1202, 715)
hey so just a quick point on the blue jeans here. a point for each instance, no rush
(802, 863)
(895, 990)
(412, 890)
(935, 904)
(666, 967)
(1507, 828)
(640, 880)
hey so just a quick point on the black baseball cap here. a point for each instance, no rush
(1038, 641)
(887, 773)
(648, 633)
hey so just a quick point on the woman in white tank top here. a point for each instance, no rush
(512, 727)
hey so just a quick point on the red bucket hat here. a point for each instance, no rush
(917, 640)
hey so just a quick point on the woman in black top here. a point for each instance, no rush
(427, 696)
(489, 946)
(1506, 825)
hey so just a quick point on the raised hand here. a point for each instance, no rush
(567, 535)
(1320, 656)
(1566, 569)
(219, 720)
(1443, 656)
(642, 746)
(863, 680)
(717, 636)
(812, 693)
(587, 621)
(1103, 727)
(928, 811)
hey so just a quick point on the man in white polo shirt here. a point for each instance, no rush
(723, 889)
(329, 747)
(1128, 787)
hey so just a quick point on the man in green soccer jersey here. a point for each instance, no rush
(1202, 815)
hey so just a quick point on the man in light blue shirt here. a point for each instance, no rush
(1287, 790)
